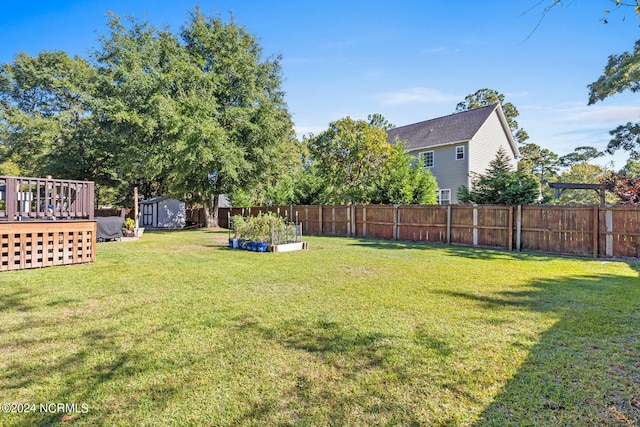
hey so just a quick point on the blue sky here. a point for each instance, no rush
(408, 60)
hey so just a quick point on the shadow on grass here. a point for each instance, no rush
(15, 300)
(73, 368)
(461, 251)
(585, 369)
(348, 371)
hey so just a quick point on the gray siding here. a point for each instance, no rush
(485, 144)
(449, 172)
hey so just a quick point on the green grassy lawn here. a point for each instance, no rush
(176, 329)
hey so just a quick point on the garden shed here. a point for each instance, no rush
(162, 212)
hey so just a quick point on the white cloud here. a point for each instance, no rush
(437, 50)
(419, 95)
(510, 95)
(564, 127)
(604, 115)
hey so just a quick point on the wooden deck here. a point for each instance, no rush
(46, 222)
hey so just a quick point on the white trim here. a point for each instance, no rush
(433, 158)
(440, 196)
(427, 147)
(507, 131)
(456, 153)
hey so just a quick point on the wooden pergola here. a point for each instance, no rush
(559, 188)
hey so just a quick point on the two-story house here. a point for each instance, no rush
(454, 146)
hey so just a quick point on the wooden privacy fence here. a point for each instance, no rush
(595, 231)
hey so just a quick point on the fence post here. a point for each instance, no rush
(321, 227)
(510, 234)
(448, 224)
(475, 225)
(333, 220)
(596, 231)
(396, 221)
(608, 248)
(348, 212)
(354, 228)
(364, 221)
(519, 229)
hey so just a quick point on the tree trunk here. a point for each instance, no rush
(211, 213)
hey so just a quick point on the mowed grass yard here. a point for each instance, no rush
(176, 329)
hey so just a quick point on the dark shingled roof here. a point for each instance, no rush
(449, 129)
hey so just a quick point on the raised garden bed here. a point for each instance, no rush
(265, 233)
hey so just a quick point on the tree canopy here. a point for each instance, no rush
(196, 113)
(355, 164)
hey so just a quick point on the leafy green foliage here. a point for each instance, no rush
(155, 109)
(500, 185)
(583, 173)
(348, 157)
(353, 163)
(621, 73)
(580, 155)
(266, 227)
(402, 180)
(46, 121)
(631, 168)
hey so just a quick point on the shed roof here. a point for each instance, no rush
(152, 200)
(454, 128)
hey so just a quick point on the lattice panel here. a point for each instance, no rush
(46, 244)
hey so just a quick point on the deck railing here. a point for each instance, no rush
(45, 198)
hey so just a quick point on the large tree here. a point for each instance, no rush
(348, 156)
(354, 163)
(197, 113)
(583, 173)
(485, 97)
(621, 73)
(583, 154)
(402, 180)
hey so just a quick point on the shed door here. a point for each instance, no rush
(147, 215)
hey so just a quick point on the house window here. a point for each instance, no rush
(427, 158)
(460, 152)
(444, 197)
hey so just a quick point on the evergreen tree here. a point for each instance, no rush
(500, 185)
